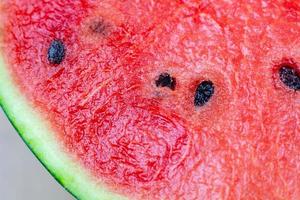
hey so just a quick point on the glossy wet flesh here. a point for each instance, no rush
(148, 141)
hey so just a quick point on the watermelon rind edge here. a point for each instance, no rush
(40, 138)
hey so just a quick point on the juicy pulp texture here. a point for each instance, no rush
(149, 142)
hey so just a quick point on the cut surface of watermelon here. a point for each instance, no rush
(157, 99)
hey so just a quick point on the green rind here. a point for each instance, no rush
(41, 140)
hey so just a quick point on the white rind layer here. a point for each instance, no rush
(39, 137)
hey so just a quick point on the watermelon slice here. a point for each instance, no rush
(165, 99)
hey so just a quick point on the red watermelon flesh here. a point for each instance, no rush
(150, 142)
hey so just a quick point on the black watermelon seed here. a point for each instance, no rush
(204, 92)
(165, 80)
(56, 52)
(290, 77)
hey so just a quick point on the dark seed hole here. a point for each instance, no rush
(56, 52)
(204, 92)
(165, 80)
(98, 26)
(290, 77)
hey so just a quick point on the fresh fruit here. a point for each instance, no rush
(165, 99)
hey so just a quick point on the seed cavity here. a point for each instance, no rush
(166, 80)
(204, 92)
(56, 52)
(290, 77)
(98, 26)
